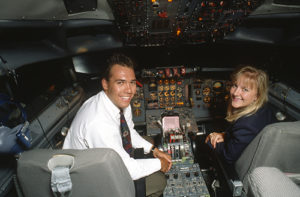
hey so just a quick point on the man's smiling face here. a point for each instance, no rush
(121, 86)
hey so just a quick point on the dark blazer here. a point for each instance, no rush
(242, 132)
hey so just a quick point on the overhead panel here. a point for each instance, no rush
(165, 22)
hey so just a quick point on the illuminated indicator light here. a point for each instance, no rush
(163, 14)
(202, 4)
(52, 88)
(170, 0)
(178, 32)
(153, 1)
(200, 19)
(81, 50)
(212, 4)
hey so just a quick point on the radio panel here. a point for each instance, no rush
(185, 180)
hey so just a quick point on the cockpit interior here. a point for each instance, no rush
(53, 54)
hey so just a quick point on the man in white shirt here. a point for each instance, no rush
(97, 125)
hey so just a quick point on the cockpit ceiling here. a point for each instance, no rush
(155, 22)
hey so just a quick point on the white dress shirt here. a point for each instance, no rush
(97, 125)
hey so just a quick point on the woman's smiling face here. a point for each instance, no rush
(243, 92)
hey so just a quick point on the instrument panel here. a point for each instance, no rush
(172, 88)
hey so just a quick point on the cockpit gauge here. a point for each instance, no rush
(172, 93)
(172, 87)
(139, 94)
(206, 91)
(136, 103)
(152, 86)
(153, 95)
(160, 82)
(206, 99)
(166, 81)
(217, 86)
(166, 88)
(160, 88)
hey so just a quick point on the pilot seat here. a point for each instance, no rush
(76, 173)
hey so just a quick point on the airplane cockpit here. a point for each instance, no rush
(53, 55)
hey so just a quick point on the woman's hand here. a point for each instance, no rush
(215, 138)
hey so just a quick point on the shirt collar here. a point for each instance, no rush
(112, 108)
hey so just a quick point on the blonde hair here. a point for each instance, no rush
(255, 78)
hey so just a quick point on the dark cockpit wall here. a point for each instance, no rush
(66, 43)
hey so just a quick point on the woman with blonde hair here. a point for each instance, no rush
(248, 113)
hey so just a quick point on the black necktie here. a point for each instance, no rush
(125, 134)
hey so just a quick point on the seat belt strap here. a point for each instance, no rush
(61, 183)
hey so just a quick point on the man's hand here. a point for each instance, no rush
(165, 159)
(165, 165)
(215, 138)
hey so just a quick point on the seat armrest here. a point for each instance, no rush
(231, 176)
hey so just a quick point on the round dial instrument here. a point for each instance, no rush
(206, 91)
